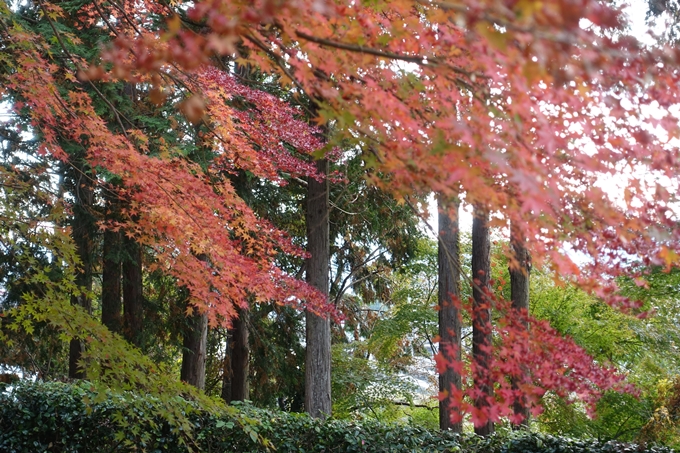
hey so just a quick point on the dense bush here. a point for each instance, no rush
(58, 417)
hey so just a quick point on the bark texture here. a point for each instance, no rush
(318, 330)
(133, 301)
(195, 350)
(112, 304)
(481, 322)
(237, 361)
(449, 297)
(226, 374)
(519, 290)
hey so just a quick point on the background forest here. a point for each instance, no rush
(230, 201)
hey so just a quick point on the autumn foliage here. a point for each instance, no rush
(531, 109)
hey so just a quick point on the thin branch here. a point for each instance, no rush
(57, 35)
(344, 285)
(106, 21)
(508, 24)
(282, 65)
(400, 403)
(429, 340)
(422, 60)
(301, 271)
(342, 210)
(354, 282)
(127, 18)
(418, 59)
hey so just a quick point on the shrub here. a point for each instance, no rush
(58, 417)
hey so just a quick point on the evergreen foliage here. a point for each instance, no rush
(60, 417)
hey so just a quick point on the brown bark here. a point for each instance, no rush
(132, 291)
(519, 290)
(318, 329)
(449, 297)
(195, 350)
(226, 373)
(481, 321)
(237, 362)
(112, 304)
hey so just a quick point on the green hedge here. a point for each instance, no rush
(59, 417)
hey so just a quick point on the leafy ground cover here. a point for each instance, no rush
(59, 417)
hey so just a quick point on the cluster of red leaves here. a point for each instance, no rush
(265, 123)
(513, 104)
(526, 364)
(201, 231)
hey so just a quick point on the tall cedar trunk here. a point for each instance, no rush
(318, 330)
(113, 270)
(195, 350)
(236, 368)
(481, 322)
(195, 346)
(235, 382)
(519, 287)
(227, 372)
(132, 291)
(112, 305)
(82, 231)
(449, 297)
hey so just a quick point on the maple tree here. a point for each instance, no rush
(519, 107)
(152, 186)
(166, 198)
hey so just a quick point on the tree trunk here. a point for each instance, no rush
(195, 350)
(132, 292)
(227, 372)
(237, 362)
(519, 290)
(82, 231)
(449, 299)
(481, 320)
(318, 329)
(112, 306)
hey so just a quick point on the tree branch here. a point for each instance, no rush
(422, 60)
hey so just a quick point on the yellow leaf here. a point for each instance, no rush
(669, 257)
(496, 38)
(157, 96)
(174, 24)
(534, 72)
(527, 8)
